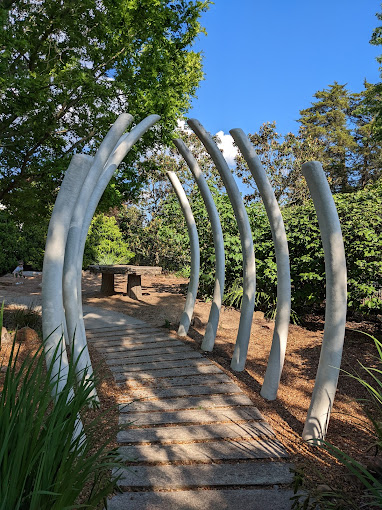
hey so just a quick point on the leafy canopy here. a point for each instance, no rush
(68, 68)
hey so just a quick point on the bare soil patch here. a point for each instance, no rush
(161, 305)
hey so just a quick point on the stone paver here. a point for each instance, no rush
(214, 401)
(153, 360)
(190, 434)
(212, 475)
(182, 391)
(205, 452)
(250, 499)
(193, 416)
(188, 380)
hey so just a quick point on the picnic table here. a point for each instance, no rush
(134, 273)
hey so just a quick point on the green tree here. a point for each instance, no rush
(281, 158)
(373, 96)
(327, 121)
(105, 244)
(366, 159)
(67, 69)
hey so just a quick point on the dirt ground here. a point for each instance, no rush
(161, 305)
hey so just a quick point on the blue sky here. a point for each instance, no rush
(263, 61)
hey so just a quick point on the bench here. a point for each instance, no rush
(134, 273)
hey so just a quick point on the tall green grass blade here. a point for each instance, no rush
(43, 464)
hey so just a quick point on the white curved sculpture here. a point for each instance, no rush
(72, 260)
(82, 187)
(217, 233)
(335, 310)
(249, 271)
(280, 334)
(113, 154)
(185, 319)
(52, 297)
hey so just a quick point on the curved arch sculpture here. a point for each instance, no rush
(82, 187)
(185, 318)
(63, 260)
(335, 309)
(280, 334)
(249, 271)
(53, 316)
(217, 233)
(114, 154)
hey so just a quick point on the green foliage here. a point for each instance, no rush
(326, 120)
(10, 240)
(44, 463)
(21, 241)
(104, 244)
(282, 158)
(361, 222)
(68, 69)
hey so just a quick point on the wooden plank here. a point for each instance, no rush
(178, 383)
(186, 402)
(125, 327)
(201, 475)
(174, 367)
(155, 352)
(205, 452)
(186, 433)
(130, 363)
(219, 499)
(183, 391)
(190, 369)
(193, 416)
(129, 341)
(132, 333)
(132, 348)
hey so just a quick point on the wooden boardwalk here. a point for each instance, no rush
(191, 438)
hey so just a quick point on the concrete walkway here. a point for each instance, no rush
(191, 438)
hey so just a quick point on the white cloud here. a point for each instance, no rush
(226, 144)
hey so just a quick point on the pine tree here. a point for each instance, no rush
(327, 120)
(367, 157)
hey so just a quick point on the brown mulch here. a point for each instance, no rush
(161, 305)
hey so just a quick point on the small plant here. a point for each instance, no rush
(167, 324)
(184, 272)
(45, 463)
(263, 301)
(234, 296)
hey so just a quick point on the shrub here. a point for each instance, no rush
(105, 244)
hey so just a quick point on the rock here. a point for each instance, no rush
(5, 336)
(324, 488)
(258, 315)
(26, 334)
